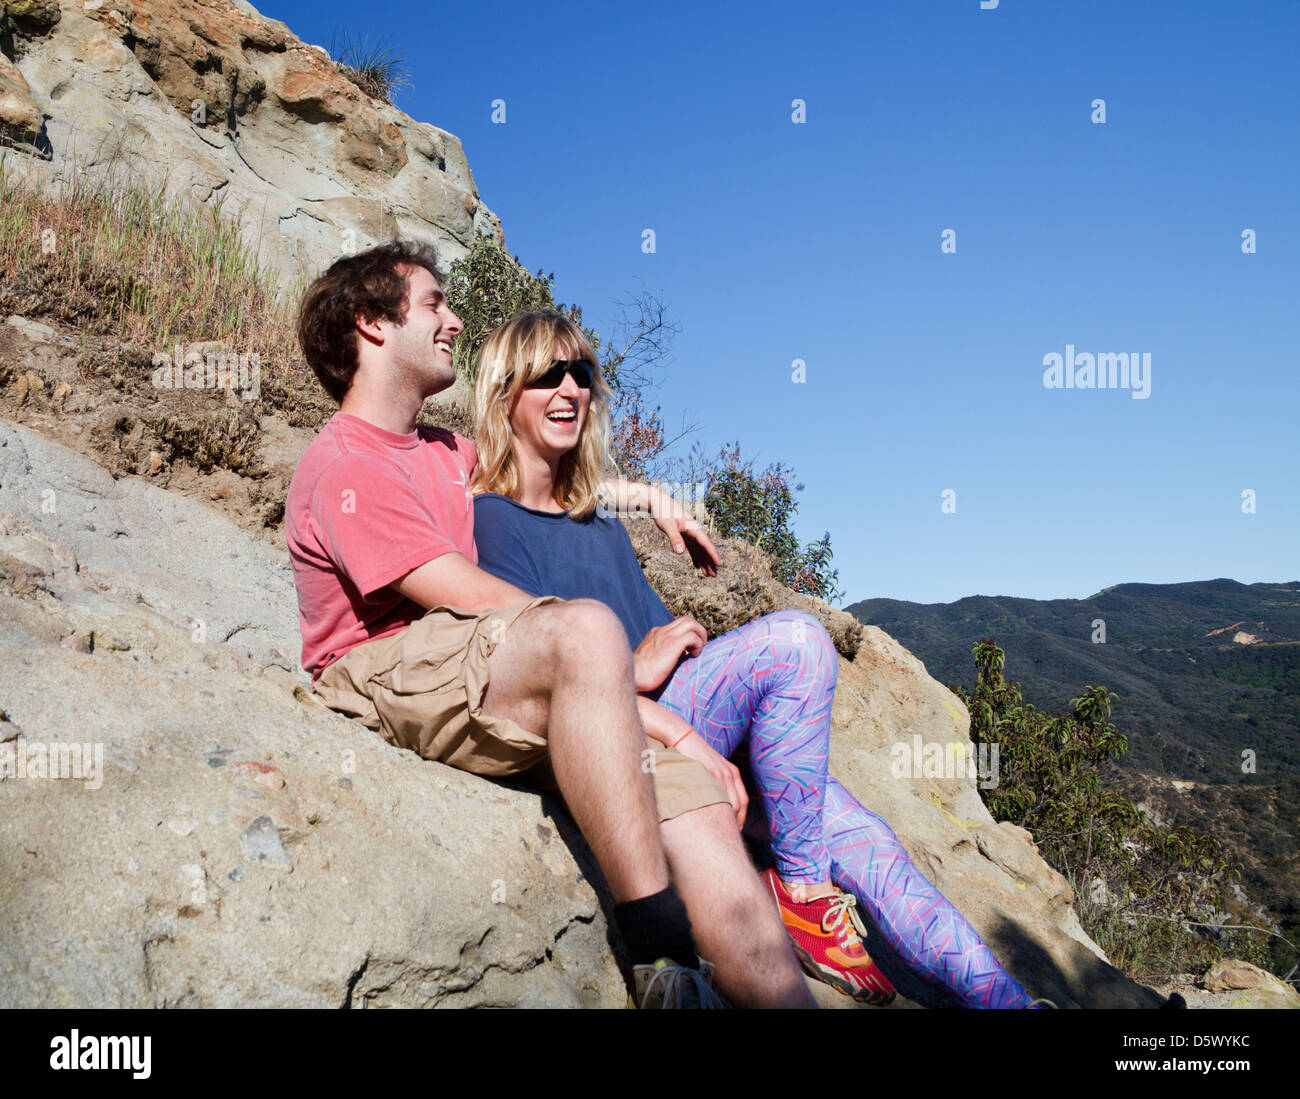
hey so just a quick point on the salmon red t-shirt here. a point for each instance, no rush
(365, 507)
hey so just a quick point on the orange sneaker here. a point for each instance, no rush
(827, 936)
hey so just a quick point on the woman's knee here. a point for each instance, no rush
(846, 816)
(806, 639)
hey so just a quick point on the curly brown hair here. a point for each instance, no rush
(373, 284)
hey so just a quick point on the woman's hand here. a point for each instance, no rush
(681, 529)
(663, 647)
(668, 728)
(727, 773)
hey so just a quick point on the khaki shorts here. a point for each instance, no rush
(423, 689)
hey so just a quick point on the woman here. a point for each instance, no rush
(542, 430)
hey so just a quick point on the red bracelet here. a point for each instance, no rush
(681, 738)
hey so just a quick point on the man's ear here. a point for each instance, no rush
(370, 329)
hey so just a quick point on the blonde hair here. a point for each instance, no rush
(523, 348)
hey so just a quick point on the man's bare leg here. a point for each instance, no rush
(564, 669)
(736, 925)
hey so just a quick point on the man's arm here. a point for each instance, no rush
(451, 580)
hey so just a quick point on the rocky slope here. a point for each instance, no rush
(242, 845)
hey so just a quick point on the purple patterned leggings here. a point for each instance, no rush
(771, 682)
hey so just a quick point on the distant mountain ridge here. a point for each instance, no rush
(1203, 670)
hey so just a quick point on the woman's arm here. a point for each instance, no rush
(670, 730)
(633, 497)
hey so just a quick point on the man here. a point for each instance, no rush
(402, 630)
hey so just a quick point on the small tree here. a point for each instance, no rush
(485, 288)
(759, 507)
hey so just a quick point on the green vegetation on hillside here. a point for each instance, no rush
(1158, 900)
(128, 261)
(1193, 699)
(1257, 826)
(759, 507)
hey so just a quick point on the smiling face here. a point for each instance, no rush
(420, 348)
(547, 423)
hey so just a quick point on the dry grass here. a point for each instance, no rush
(122, 261)
(743, 590)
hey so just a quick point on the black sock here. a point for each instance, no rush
(657, 927)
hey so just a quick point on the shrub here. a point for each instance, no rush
(759, 508)
(485, 288)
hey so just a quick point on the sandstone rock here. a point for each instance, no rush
(1232, 974)
(1233, 984)
(212, 100)
(20, 118)
(240, 844)
(243, 845)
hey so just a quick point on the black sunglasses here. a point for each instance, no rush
(582, 371)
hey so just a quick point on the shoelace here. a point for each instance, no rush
(674, 977)
(841, 917)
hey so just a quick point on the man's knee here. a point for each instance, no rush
(587, 630)
(571, 640)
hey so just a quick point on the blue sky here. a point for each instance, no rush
(820, 241)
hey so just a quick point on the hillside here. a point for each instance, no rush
(1203, 671)
(1259, 827)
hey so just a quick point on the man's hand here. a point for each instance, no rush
(662, 649)
(668, 728)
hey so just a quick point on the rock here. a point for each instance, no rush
(214, 101)
(1232, 974)
(1233, 984)
(33, 16)
(20, 118)
(137, 538)
(261, 843)
(272, 852)
(742, 590)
